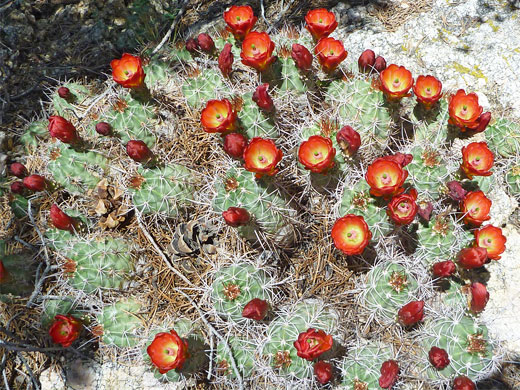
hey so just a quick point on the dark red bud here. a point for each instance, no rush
(463, 383)
(17, 187)
(380, 64)
(323, 372)
(411, 313)
(225, 60)
(389, 373)
(138, 151)
(470, 258)
(18, 170)
(64, 93)
(302, 57)
(479, 297)
(236, 216)
(3, 272)
(191, 45)
(456, 193)
(60, 220)
(444, 269)
(262, 99)
(425, 211)
(349, 140)
(62, 129)
(234, 145)
(400, 158)
(439, 358)
(206, 43)
(483, 121)
(34, 183)
(366, 60)
(103, 128)
(255, 309)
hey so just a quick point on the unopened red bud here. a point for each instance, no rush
(103, 128)
(191, 45)
(366, 60)
(138, 151)
(60, 220)
(323, 372)
(225, 59)
(18, 170)
(35, 183)
(463, 383)
(17, 187)
(389, 373)
(425, 210)
(3, 272)
(483, 121)
(206, 43)
(411, 313)
(234, 145)
(380, 64)
(64, 93)
(456, 192)
(255, 309)
(349, 140)
(62, 129)
(474, 257)
(236, 216)
(262, 99)
(302, 57)
(479, 297)
(439, 358)
(444, 269)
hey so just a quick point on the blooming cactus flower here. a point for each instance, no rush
(236, 216)
(218, 117)
(234, 145)
(62, 129)
(396, 81)
(257, 51)
(466, 113)
(240, 20)
(320, 23)
(351, 234)
(256, 309)
(411, 313)
(492, 239)
(438, 357)
(262, 99)
(444, 269)
(463, 383)
(389, 373)
(477, 159)
(323, 372)
(34, 183)
(470, 258)
(427, 90)
(317, 154)
(128, 71)
(138, 151)
(475, 207)
(60, 220)
(330, 53)
(402, 208)
(262, 156)
(206, 43)
(301, 56)
(479, 297)
(225, 59)
(168, 351)
(65, 330)
(312, 343)
(366, 61)
(385, 177)
(349, 140)
(18, 170)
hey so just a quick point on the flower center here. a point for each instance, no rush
(386, 179)
(403, 207)
(320, 20)
(476, 161)
(352, 235)
(428, 91)
(488, 242)
(170, 352)
(238, 18)
(331, 52)
(464, 110)
(261, 158)
(396, 83)
(474, 210)
(318, 155)
(253, 46)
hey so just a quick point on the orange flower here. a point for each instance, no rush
(312, 343)
(464, 110)
(475, 207)
(320, 23)
(168, 351)
(402, 208)
(492, 239)
(218, 117)
(330, 53)
(65, 330)
(351, 234)
(317, 154)
(427, 90)
(261, 156)
(240, 20)
(385, 177)
(128, 71)
(257, 50)
(477, 159)
(396, 81)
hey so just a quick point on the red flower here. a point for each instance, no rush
(103, 128)
(128, 71)
(396, 81)
(389, 372)
(463, 383)
(218, 116)
(385, 177)
(34, 183)
(255, 309)
(257, 51)
(138, 151)
(65, 330)
(323, 372)
(17, 187)
(479, 297)
(206, 43)
(351, 234)
(477, 159)
(349, 140)
(470, 258)
(411, 313)
(261, 156)
(234, 145)
(302, 57)
(330, 53)
(475, 207)
(366, 61)
(317, 154)
(192, 45)
(168, 351)
(320, 23)
(18, 170)
(466, 113)
(62, 129)
(236, 216)
(312, 343)
(427, 90)
(225, 59)
(60, 220)
(262, 98)
(439, 358)
(240, 20)
(380, 64)
(402, 208)
(492, 239)
(444, 269)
